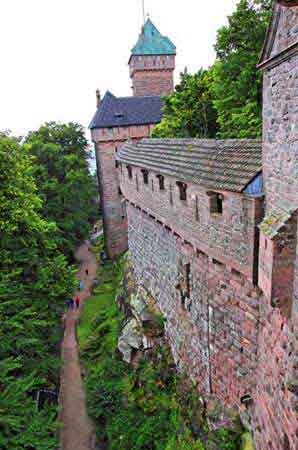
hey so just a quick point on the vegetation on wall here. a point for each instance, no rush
(148, 407)
(226, 100)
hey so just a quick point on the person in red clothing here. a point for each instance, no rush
(77, 300)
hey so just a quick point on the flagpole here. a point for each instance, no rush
(143, 3)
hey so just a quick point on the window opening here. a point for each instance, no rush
(197, 209)
(129, 171)
(145, 176)
(161, 181)
(171, 195)
(182, 190)
(216, 202)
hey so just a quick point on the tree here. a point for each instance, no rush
(237, 83)
(188, 111)
(64, 181)
(35, 280)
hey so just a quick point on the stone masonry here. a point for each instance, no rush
(151, 65)
(229, 293)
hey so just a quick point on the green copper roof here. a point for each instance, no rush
(151, 42)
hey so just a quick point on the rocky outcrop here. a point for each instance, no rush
(143, 324)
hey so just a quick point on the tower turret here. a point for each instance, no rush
(152, 63)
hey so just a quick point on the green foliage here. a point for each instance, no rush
(189, 111)
(64, 181)
(147, 408)
(224, 101)
(237, 84)
(35, 279)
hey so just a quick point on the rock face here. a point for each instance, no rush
(143, 324)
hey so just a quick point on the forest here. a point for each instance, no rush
(47, 206)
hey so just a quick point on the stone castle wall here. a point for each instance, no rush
(280, 134)
(213, 333)
(107, 143)
(228, 237)
(153, 83)
(152, 74)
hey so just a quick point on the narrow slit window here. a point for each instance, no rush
(137, 183)
(182, 190)
(145, 176)
(197, 209)
(116, 162)
(129, 171)
(161, 181)
(187, 278)
(171, 195)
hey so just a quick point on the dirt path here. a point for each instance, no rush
(77, 432)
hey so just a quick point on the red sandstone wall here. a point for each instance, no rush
(228, 237)
(213, 334)
(275, 407)
(152, 74)
(153, 82)
(107, 141)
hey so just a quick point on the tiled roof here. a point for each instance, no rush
(125, 111)
(151, 42)
(223, 165)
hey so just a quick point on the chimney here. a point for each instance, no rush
(98, 99)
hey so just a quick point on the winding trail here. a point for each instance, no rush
(77, 432)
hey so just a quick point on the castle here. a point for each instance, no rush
(151, 64)
(212, 233)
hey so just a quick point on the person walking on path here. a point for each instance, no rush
(77, 300)
(81, 286)
(70, 303)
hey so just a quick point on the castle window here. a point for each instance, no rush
(120, 192)
(171, 194)
(184, 286)
(161, 180)
(216, 202)
(129, 171)
(197, 209)
(145, 176)
(137, 183)
(116, 162)
(182, 190)
(123, 209)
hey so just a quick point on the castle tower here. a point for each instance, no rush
(279, 62)
(152, 63)
(276, 395)
(118, 119)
